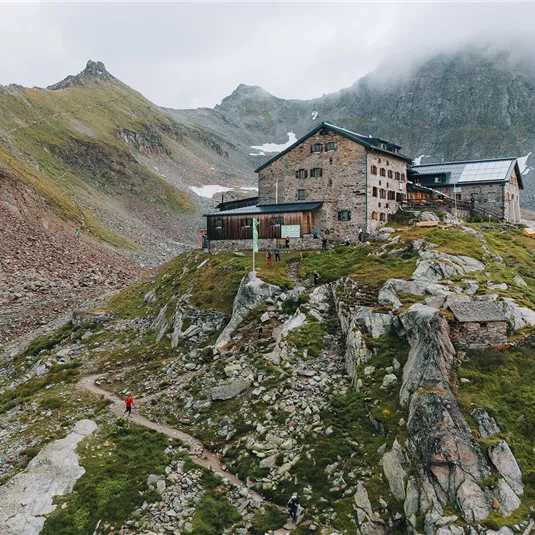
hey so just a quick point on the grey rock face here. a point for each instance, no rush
(376, 324)
(431, 355)
(230, 390)
(487, 426)
(519, 316)
(28, 496)
(507, 498)
(395, 468)
(503, 459)
(252, 292)
(434, 266)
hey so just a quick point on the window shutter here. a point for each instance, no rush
(339, 216)
(306, 173)
(321, 171)
(311, 149)
(349, 215)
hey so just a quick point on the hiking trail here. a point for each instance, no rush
(199, 454)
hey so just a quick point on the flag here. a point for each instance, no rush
(255, 235)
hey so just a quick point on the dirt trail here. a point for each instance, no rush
(199, 454)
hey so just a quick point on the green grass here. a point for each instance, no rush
(214, 515)
(108, 491)
(503, 383)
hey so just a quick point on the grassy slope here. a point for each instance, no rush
(43, 126)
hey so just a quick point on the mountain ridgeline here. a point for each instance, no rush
(466, 105)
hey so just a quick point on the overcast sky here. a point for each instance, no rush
(189, 55)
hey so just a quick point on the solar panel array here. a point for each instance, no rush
(477, 172)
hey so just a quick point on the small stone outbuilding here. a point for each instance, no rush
(478, 324)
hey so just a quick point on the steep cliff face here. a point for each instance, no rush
(454, 106)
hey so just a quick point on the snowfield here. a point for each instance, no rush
(209, 191)
(274, 147)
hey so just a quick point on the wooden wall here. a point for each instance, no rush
(233, 228)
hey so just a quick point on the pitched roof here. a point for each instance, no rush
(477, 311)
(372, 143)
(306, 206)
(470, 171)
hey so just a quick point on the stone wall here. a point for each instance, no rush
(342, 185)
(299, 244)
(473, 334)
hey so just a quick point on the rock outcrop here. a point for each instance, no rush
(28, 497)
(251, 293)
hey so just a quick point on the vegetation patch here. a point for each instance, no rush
(117, 463)
(214, 515)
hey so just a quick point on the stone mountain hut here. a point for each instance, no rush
(478, 324)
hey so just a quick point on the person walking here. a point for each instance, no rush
(287, 244)
(269, 259)
(293, 507)
(360, 235)
(129, 402)
(260, 332)
(324, 243)
(316, 278)
(277, 252)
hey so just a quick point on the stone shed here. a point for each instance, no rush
(478, 324)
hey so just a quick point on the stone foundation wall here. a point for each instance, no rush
(296, 244)
(478, 334)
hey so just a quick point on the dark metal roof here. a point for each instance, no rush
(477, 311)
(238, 203)
(306, 206)
(469, 172)
(372, 143)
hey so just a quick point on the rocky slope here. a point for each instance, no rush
(467, 105)
(354, 396)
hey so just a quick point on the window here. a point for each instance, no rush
(399, 197)
(403, 177)
(344, 215)
(332, 145)
(301, 195)
(277, 221)
(248, 222)
(382, 171)
(438, 180)
(374, 215)
(301, 173)
(379, 160)
(383, 145)
(373, 170)
(391, 195)
(382, 194)
(316, 147)
(219, 224)
(382, 217)
(374, 191)
(387, 205)
(398, 176)
(316, 172)
(390, 174)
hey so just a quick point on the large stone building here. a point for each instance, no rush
(330, 182)
(489, 185)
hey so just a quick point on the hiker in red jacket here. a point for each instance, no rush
(129, 401)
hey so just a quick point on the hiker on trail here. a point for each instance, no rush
(316, 278)
(287, 244)
(360, 234)
(269, 259)
(324, 243)
(78, 233)
(260, 332)
(293, 507)
(129, 401)
(277, 252)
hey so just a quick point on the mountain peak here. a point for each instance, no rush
(94, 71)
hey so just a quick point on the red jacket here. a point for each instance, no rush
(129, 401)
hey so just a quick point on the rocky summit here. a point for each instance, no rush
(350, 391)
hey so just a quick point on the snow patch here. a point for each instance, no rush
(209, 191)
(523, 164)
(418, 161)
(314, 115)
(249, 188)
(274, 147)
(261, 153)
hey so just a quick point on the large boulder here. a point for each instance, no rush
(251, 293)
(486, 425)
(27, 497)
(519, 317)
(434, 266)
(503, 459)
(376, 324)
(230, 390)
(395, 468)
